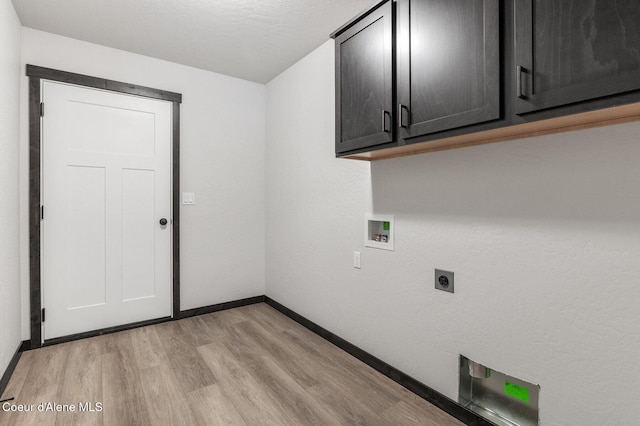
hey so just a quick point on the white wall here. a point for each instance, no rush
(222, 162)
(543, 236)
(9, 208)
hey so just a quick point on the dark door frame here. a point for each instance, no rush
(36, 75)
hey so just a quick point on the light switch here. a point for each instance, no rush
(188, 198)
(356, 259)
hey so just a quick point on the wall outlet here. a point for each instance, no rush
(444, 280)
(356, 259)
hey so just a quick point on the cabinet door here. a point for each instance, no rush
(448, 64)
(364, 79)
(574, 50)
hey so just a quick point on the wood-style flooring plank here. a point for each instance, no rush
(337, 370)
(244, 366)
(211, 407)
(290, 396)
(216, 323)
(35, 417)
(385, 391)
(166, 402)
(242, 389)
(49, 364)
(82, 384)
(272, 380)
(19, 376)
(349, 410)
(42, 384)
(123, 397)
(268, 317)
(148, 349)
(180, 344)
(286, 357)
(406, 413)
(198, 331)
(231, 316)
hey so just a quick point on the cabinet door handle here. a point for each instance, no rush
(384, 122)
(519, 71)
(401, 122)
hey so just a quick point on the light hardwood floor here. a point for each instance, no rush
(244, 366)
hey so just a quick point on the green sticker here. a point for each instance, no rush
(386, 226)
(516, 391)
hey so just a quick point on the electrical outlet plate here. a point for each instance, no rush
(444, 280)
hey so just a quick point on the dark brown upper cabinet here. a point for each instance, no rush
(444, 74)
(364, 81)
(448, 64)
(574, 50)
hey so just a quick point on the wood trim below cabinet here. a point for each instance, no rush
(586, 120)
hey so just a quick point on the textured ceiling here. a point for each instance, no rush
(249, 39)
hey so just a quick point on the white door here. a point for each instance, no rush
(106, 184)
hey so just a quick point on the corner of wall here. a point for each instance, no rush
(10, 48)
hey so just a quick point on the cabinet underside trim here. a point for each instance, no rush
(586, 120)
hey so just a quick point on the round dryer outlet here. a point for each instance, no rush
(444, 280)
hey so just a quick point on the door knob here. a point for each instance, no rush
(163, 221)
